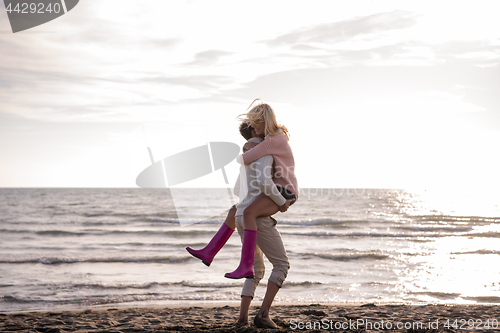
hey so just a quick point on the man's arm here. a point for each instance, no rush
(272, 145)
(249, 145)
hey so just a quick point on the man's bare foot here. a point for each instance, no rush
(264, 322)
(242, 323)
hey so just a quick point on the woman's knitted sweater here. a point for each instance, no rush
(284, 164)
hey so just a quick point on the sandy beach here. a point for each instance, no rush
(291, 318)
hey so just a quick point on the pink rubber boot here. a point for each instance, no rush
(208, 253)
(245, 269)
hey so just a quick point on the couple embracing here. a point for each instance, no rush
(266, 185)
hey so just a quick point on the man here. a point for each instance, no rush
(254, 179)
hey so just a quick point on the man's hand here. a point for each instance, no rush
(285, 206)
(249, 145)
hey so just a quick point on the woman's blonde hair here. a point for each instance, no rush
(265, 112)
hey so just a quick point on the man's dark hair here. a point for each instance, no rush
(246, 130)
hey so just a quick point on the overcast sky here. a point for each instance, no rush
(391, 94)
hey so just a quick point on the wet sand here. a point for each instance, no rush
(290, 318)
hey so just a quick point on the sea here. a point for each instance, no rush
(78, 248)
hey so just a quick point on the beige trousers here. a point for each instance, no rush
(269, 242)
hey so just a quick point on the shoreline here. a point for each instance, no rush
(290, 318)
(223, 303)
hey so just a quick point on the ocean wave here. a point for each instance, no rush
(192, 232)
(140, 244)
(175, 233)
(409, 232)
(483, 299)
(151, 221)
(322, 221)
(16, 231)
(103, 232)
(490, 234)
(36, 303)
(291, 284)
(59, 261)
(150, 285)
(93, 214)
(439, 295)
(12, 299)
(350, 257)
(457, 219)
(161, 217)
(478, 252)
(99, 223)
(448, 229)
(162, 220)
(59, 233)
(364, 234)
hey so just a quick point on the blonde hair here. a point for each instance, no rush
(265, 112)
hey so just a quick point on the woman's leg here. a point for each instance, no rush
(230, 220)
(208, 253)
(261, 206)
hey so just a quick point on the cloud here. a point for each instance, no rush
(64, 96)
(193, 81)
(330, 33)
(406, 53)
(117, 38)
(482, 53)
(168, 43)
(331, 87)
(208, 58)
